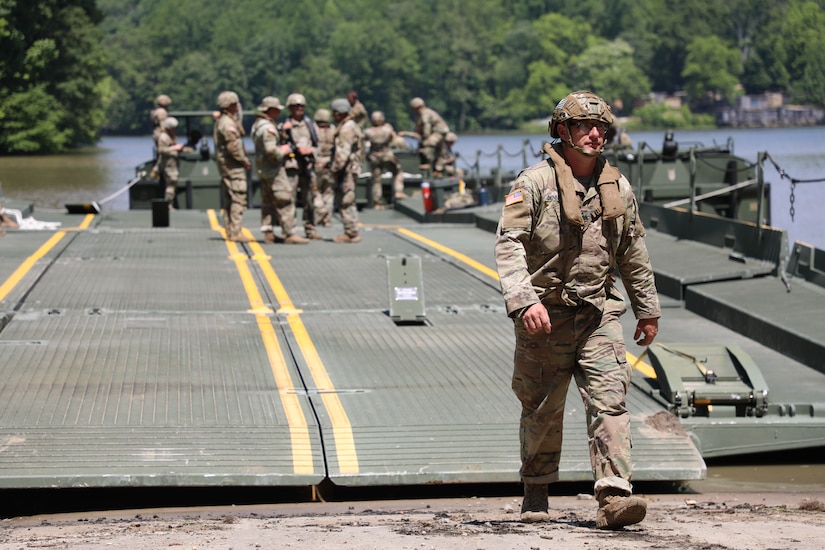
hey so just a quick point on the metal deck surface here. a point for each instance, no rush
(140, 356)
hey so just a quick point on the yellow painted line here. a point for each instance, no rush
(341, 426)
(298, 429)
(636, 362)
(15, 278)
(457, 255)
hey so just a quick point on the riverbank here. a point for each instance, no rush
(713, 521)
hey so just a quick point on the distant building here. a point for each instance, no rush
(766, 111)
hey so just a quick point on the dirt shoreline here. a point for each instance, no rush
(711, 521)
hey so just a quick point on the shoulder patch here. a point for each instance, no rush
(513, 198)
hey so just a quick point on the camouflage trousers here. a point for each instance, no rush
(380, 165)
(587, 346)
(277, 203)
(233, 200)
(304, 182)
(325, 198)
(345, 199)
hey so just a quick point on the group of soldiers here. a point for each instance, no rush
(318, 157)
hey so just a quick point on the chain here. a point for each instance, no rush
(794, 181)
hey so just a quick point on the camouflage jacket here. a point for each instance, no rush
(540, 256)
(430, 122)
(229, 148)
(326, 142)
(380, 138)
(268, 155)
(167, 157)
(358, 113)
(348, 143)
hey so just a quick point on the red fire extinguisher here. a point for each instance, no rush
(428, 198)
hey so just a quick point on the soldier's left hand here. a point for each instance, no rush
(646, 331)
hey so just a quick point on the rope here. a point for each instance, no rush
(120, 191)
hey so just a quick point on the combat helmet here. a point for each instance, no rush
(580, 105)
(450, 137)
(227, 98)
(322, 115)
(170, 123)
(416, 102)
(295, 99)
(377, 117)
(340, 105)
(163, 100)
(270, 102)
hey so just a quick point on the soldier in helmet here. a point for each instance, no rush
(430, 131)
(381, 158)
(345, 166)
(277, 193)
(325, 198)
(232, 164)
(300, 132)
(158, 115)
(168, 162)
(567, 222)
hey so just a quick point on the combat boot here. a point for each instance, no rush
(295, 239)
(269, 237)
(239, 239)
(617, 508)
(313, 235)
(346, 238)
(534, 505)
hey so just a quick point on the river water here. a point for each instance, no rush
(100, 173)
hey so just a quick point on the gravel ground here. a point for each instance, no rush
(719, 521)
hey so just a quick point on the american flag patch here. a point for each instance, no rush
(513, 198)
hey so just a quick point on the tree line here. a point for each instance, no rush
(74, 69)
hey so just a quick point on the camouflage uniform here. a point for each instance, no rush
(359, 113)
(168, 163)
(277, 192)
(325, 197)
(232, 161)
(543, 257)
(432, 129)
(346, 164)
(158, 115)
(382, 158)
(301, 171)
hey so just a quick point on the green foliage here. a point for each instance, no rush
(33, 122)
(480, 63)
(661, 116)
(52, 75)
(711, 69)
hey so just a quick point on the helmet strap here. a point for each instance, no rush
(586, 152)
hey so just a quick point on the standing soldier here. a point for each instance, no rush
(357, 111)
(301, 134)
(345, 166)
(168, 150)
(381, 135)
(232, 164)
(324, 203)
(277, 195)
(569, 225)
(158, 115)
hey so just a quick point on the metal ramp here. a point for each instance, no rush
(139, 356)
